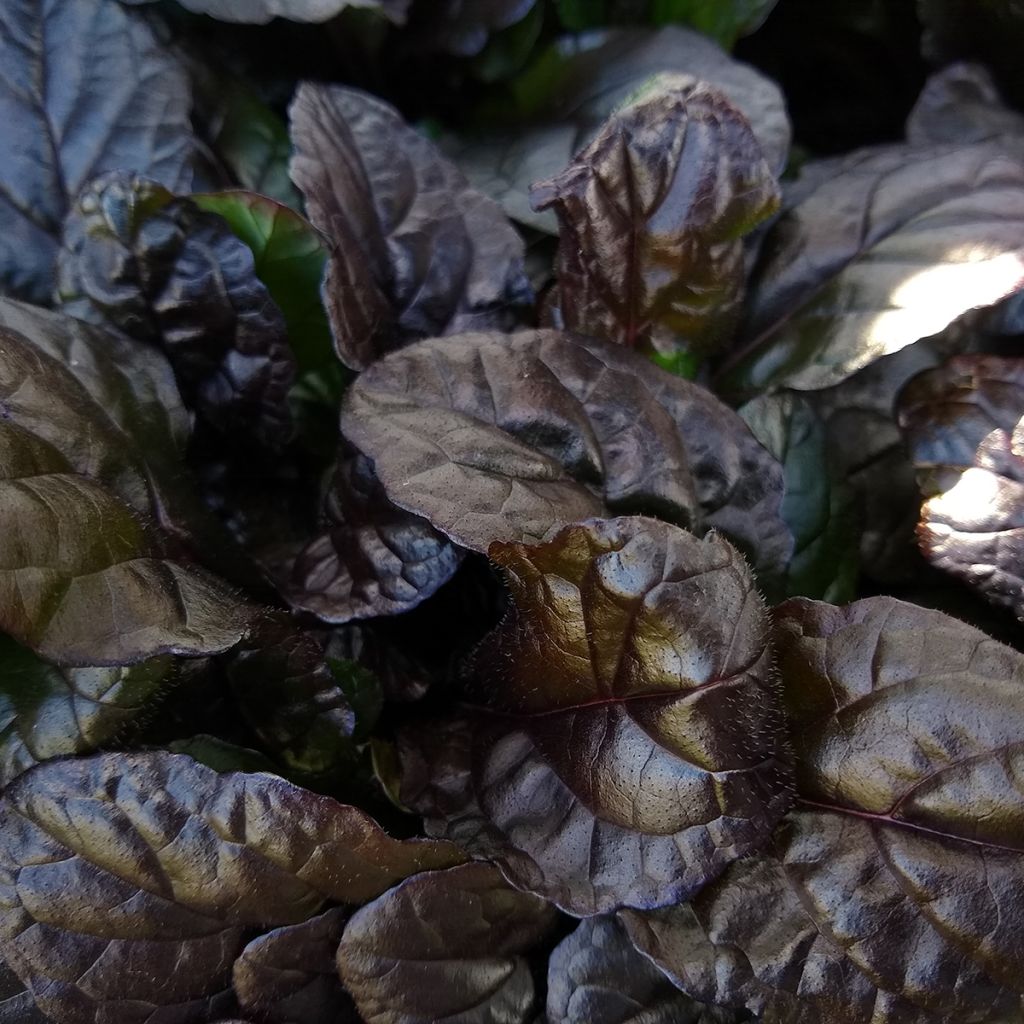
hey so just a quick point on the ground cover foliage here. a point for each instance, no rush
(511, 512)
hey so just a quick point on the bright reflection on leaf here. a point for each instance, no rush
(971, 501)
(968, 277)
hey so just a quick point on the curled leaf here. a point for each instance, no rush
(579, 84)
(372, 558)
(963, 422)
(901, 867)
(164, 272)
(130, 883)
(445, 946)
(652, 216)
(596, 976)
(508, 437)
(629, 742)
(416, 251)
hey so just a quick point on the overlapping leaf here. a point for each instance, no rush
(507, 437)
(596, 976)
(372, 558)
(85, 88)
(445, 947)
(963, 424)
(883, 247)
(631, 744)
(291, 699)
(289, 975)
(48, 712)
(577, 86)
(961, 103)
(652, 216)
(416, 251)
(818, 505)
(259, 12)
(136, 905)
(893, 892)
(164, 272)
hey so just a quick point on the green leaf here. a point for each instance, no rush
(222, 756)
(253, 141)
(724, 20)
(48, 712)
(363, 691)
(290, 256)
(818, 507)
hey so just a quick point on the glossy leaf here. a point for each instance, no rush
(289, 976)
(417, 252)
(131, 882)
(865, 450)
(48, 712)
(596, 976)
(163, 272)
(85, 88)
(445, 946)
(579, 84)
(884, 247)
(112, 409)
(508, 437)
(371, 558)
(961, 103)
(81, 580)
(652, 216)
(630, 746)
(818, 507)
(900, 870)
(962, 422)
(259, 12)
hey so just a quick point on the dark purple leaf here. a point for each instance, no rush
(130, 883)
(652, 216)
(445, 946)
(16, 1004)
(259, 12)
(85, 88)
(579, 84)
(596, 976)
(82, 581)
(961, 103)
(508, 437)
(164, 272)
(289, 975)
(462, 27)
(629, 742)
(963, 423)
(112, 409)
(865, 450)
(884, 247)
(893, 893)
(373, 558)
(417, 252)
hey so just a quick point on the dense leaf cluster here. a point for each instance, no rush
(493, 530)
